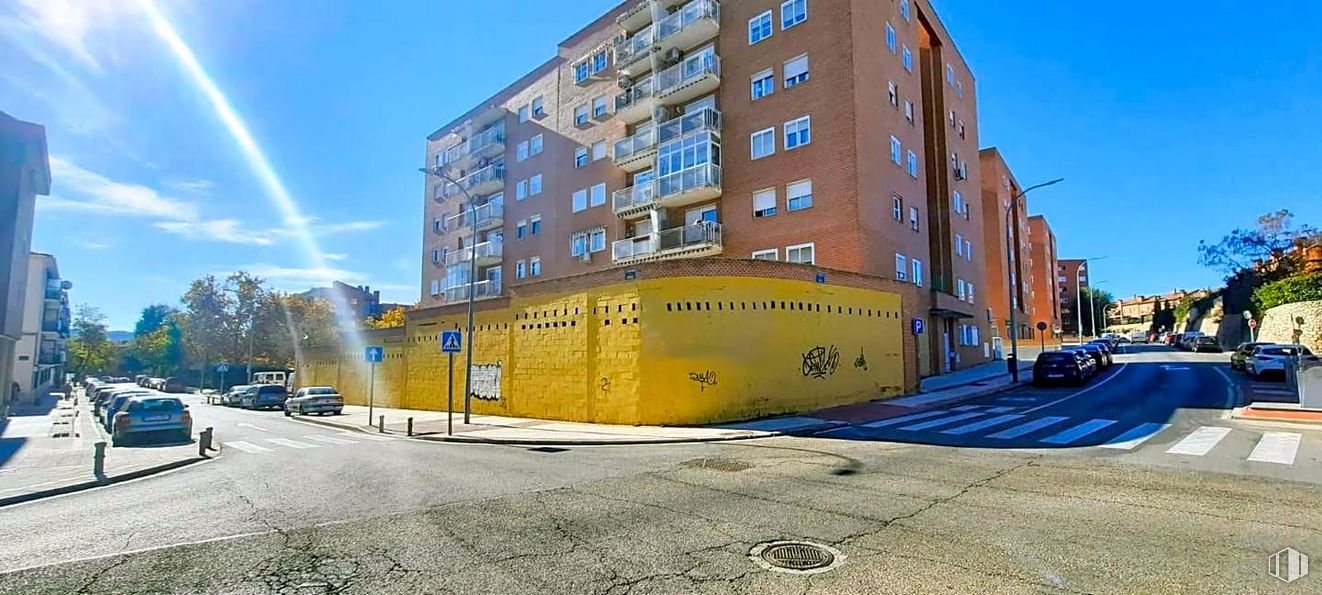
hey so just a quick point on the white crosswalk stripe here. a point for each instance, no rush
(941, 421)
(967, 408)
(1200, 441)
(1276, 447)
(372, 437)
(1075, 433)
(1002, 409)
(247, 447)
(329, 439)
(905, 418)
(1029, 427)
(1136, 436)
(980, 425)
(291, 443)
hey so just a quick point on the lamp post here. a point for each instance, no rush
(472, 284)
(1092, 305)
(1011, 240)
(1078, 295)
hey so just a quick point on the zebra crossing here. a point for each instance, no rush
(270, 445)
(1004, 426)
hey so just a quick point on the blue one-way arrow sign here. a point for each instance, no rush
(374, 354)
(451, 341)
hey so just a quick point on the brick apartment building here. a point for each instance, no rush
(1006, 246)
(832, 133)
(1045, 278)
(1072, 274)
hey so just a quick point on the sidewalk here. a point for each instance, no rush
(982, 373)
(48, 453)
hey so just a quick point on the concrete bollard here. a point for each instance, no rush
(410, 426)
(99, 459)
(204, 441)
(381, 424)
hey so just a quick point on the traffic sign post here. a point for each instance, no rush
(1042, 338)
(373, 355)
(451, 343)
(223, 369)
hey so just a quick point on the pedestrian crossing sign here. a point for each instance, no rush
(451, 341)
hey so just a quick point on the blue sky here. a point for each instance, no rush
(1170, 125)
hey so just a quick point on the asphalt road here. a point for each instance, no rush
(912, 511)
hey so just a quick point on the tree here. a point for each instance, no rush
(152, 318)
(1095, 304)
(1164, 317)
(1269, 243)
(157, 341)
(90, 350)
(392, 318)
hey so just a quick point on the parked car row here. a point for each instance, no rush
(1258, 359)
(130, 412)
(312, 399)
(1074, 364)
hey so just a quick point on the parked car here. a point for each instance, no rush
(1089, 364)
(264, 396)
(1272, 358)
(103, 393)
(1106, 346)
(173, 385)
(315, 399)
(1169, 339)
(116, 402)
(143, 416)
(1205, 344)
(1102, 359)
(1187, 339)
(1243, 352)
(1138, 337)
(234, 396)
(1059, 367)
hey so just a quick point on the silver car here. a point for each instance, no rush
(144, 416)
(315, 399)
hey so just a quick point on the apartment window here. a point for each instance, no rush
(896, 150)
(534, 225)
(959, 245)
(917, 272)
(598, 106)
(598, 195)
(764, 203)
(901, 267)
(959, 89)
(580, 72)
(894, 93)
(772, 254)
(904, 11)
(759, 27)
(913, 219)
(908, 59)
(523, 114)
(950, 75)
(521, 152)
(599, 61)
(580, 200)
(890, 37)
(801, 253)
(535, 185)
(798, 132)
(436, 255)
(970, 292)
(580, 157)
(521, 229)
(960, 288)
(961, 129)
(535, 145)
(436, 225)
(597, 239)
(578, 243)
(521, 190)
(764, 83)
(798, 196)
(913, 164)
(535, 266)
(599, 150)
(908, 111)
(538, 107)
(796, 71)
(435, 287)
(521, 269)
(793, 12)
(581, 115)
(897, 208)
(968, 250)
(960, 207)
(764, 143)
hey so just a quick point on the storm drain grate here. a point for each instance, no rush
(796, 556)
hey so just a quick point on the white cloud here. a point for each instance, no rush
(222, 230)
(334, 256)
(301, 278)
(94, 245)
(345, 227)
(96, 193)
(198, 186)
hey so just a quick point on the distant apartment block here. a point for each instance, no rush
(1045, 279)
(1072, 274)
(24, 173)
(358, 301)
(1008, 248)
(42, 353)
(836, 134)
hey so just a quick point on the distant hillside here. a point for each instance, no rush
(120, 336)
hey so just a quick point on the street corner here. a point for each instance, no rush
(1278, 412)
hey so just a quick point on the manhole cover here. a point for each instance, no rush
(796, 557)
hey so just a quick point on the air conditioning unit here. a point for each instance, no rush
(624, 82)
(662, 113)
(673, 56)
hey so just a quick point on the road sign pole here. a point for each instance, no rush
(449, 407)
(371, 392)
(451, 342)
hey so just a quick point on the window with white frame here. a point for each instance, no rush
(581, 71)
(581, 115)
(908, 59)
(890, 37)
(436, 255)
(600, 61)
(599, 150)
(960, 207)
(764, 83)
(913, 219)
(521, 151)
(534, 225)
(897, 150)
(435, 287)
(894, 92)
(904, 11)
(917, 272)
(580, 200)
(599, 106)
(970, 292)
(535, 266)
(798, 195)
(521, 269)
(772, 254)
(796, 71)
(523, 114)
(801, 253)
(597, 239)
(901, 267)
(598, 196)
(580, 157)
(437, 225)
(913, 164)
(897, 207)
(535, 185)
(521, 228)
(764, 203)
(950, 74)
(759, 27)
(968, 250)
(535, 145)
(959, 89)
(908, 111)
(798, 132)
(793, 12)
(959, 245)
(960, 288)
(764, 143)
(521, 190)
(578, 243)
(538, 107)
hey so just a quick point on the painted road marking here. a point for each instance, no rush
(1031, 426)
(941, 421)
(247, 447)
(1136, 436)
(905, 418)
(1276, 447)
(372, 437)
(330, 440)
(1078, 431)
(1200, 441)
(248, 425)
(291, 443)
(1068, 397)
(978, 425)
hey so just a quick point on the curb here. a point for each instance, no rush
(1311, 418)
(972, 382)
(87, 485)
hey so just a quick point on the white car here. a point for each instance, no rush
(1272, 358)
(315, 399)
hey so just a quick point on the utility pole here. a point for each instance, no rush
(472, 285)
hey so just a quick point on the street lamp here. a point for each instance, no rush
(1092, 304)
(1078, 295)
(472, 283)
(1012, 242)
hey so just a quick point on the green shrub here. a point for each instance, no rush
(1302, 288)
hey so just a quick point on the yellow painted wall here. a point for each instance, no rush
(670, 351)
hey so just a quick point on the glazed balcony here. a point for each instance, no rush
(487, 253)
(488, 216)
(690, 241)
(678, 189)
(638, 152)
(481, 290)
(483, 181)
(696, 22)
(693, 77)
(640, 14)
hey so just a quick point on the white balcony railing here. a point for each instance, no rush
(639, 45)
(481, 289)
(691, 69)
(485, 251)
(485, 214)
(703, 119)
(490, 173)
(704, 234)
(678, 184)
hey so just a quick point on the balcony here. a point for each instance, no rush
(678, 189)
(637, 152)
(696, 22)
(483, 181)
(640, 14)
(695, 76)
(699, 239)
(487, 216)
(487, 254)
(481, 290)
(51, 359)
